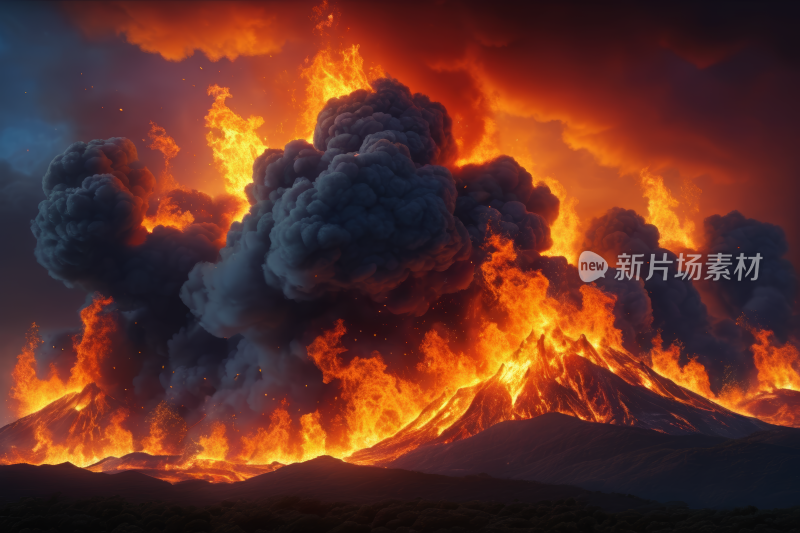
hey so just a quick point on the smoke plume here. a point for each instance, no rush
(367, 225)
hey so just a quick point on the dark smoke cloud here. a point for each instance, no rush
(368, 222)
(204, 208)
(89, 235)
(678, 311)
(89, 228)
(371, 220)
(500, 196)
(391, 112)
(360, 227)
(768, 302)
(363, 226)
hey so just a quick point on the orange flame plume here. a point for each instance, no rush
(168, 213)
(90, 423)
(778, 373)
(661, 213)
(485, 150)
(31, 393)
(328, 77)
(167, 431)
(235, 143)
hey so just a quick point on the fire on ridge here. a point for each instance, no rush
(550, 357)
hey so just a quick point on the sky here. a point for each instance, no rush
(588, 95)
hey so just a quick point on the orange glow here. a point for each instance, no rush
(80, 427)
(215, 445)
(168, 213)
(235, 144)
(527, 353)
(692, 375)
(777, 368)
(566, 230)
(777, 365)
(31, 393)
(167, 431)
(174, 32)
(661, 213)
(485, 150)
(330, 77)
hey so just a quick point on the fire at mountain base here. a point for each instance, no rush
(548, 357)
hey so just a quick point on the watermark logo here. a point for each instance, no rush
(591, 267)
(631, 266)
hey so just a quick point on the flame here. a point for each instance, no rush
(168, 148)
(777, 370)
(661, 213)
(777, 365)
(531, 347)
(312, 435)
(167, 431)
(485, 150)
(274, 443)
(168, 213)
(235, 144)
(377, 403)
(330, 77)
(215, 445)
(31, 393)
(692, 375)
(566, 230)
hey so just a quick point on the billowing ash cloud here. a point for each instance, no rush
(367, 215)
(370, 221)
(678, 311)
(500, 196)
(767, 302)
(89, 234)
(360, 119)
(89, 228)
(364, 226)
(362, 215)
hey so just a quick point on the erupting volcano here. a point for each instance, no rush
(393, 280)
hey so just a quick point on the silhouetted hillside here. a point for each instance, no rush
(762, 469)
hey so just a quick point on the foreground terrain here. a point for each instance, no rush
(296, 514)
